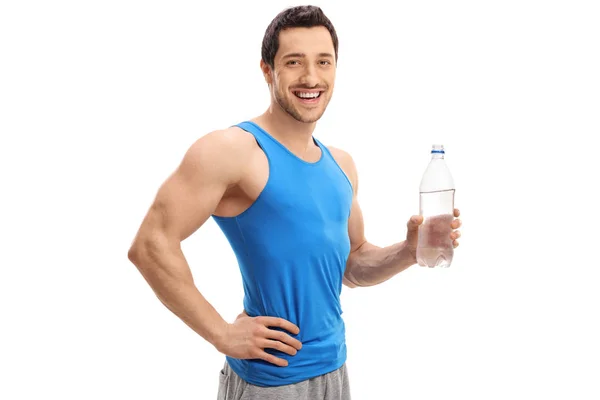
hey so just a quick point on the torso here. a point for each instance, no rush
(288, 225)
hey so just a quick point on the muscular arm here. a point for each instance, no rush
(368, 264)
(183, 203)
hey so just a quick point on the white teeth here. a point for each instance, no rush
(306, 95)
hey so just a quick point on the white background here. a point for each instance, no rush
(100, 100)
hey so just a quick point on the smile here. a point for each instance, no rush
(307, 96)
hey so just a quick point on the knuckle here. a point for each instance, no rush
(255, 352)
(257, 329)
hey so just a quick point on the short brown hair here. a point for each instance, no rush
(294, 17)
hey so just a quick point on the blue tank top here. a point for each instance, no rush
(292, 245)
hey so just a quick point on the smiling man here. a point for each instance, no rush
(288, 206)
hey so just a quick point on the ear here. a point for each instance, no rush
(266, 70)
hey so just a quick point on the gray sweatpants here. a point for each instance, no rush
(331, 386)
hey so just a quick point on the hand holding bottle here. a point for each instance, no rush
(433, 228)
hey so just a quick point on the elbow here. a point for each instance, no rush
(353, 282)
(133, 255)
(137, 250)
(144, 256)
(149, 255)
(136, 255)
(140, 253)
(348, 283)
(349, 278)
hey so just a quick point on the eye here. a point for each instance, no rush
(325, 62)
(292, 62)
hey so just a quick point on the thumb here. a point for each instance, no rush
(413, 228)
(414, 222)
(241, 315)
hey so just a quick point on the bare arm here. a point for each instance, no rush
(368, 264)
(183, 203)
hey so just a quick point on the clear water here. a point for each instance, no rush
(435, 245)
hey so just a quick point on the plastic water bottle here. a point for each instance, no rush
(436, 205)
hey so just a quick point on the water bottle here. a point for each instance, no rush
(436, 205)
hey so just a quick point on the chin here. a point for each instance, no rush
(310, 115)
(310, 118)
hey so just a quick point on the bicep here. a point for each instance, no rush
(182, 204)
(191, 193)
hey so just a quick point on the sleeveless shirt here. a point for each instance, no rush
(292, 245)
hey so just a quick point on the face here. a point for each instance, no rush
(304, 72)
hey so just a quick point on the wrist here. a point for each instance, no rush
(218, 334)
(410, 252)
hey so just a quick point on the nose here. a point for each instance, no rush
(309, 77)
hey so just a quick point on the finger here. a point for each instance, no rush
(277, 345)
(455, 243)
(415, 221)
(455, 235)
(456, 213)
(271, 358)
(457, 223)
(283, 337)
(278, 323)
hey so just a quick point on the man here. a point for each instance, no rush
(288, 206)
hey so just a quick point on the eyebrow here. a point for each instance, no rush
(301, 55)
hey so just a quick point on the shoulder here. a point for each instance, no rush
(227, 142)
(222, 151)
(223, 145)
(346, 162)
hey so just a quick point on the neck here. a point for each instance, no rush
(289, 131)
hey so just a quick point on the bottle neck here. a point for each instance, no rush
(437, 154)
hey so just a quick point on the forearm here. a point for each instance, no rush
(370, 265)
(169, 276)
